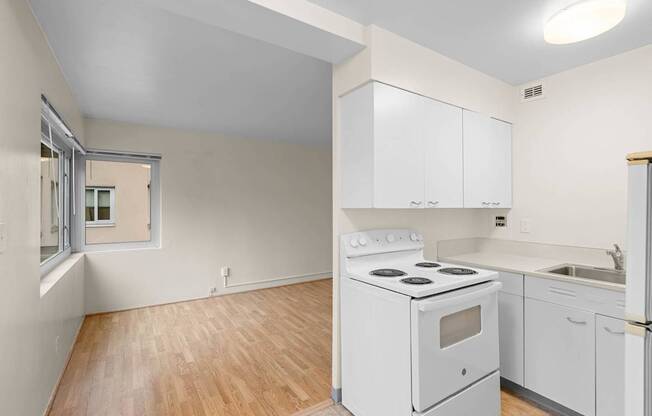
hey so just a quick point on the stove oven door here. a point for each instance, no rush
(454, 342)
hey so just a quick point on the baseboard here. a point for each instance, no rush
(336, 395)
(552, 407)
(48, 408)
(233, 289)
(275, 282)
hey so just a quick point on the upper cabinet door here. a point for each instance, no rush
(487, 162)
(398, 153)
(442, 132)
(502, 164)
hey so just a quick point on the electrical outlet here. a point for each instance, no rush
(526, 225)
(213, 291)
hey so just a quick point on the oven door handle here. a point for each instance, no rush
(482, 291)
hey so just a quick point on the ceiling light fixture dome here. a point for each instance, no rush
(583, 20)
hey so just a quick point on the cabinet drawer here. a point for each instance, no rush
(602, 301)
(512, 283)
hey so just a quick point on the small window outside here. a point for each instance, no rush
(118, 202)
(100, 206)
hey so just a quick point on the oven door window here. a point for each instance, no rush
(459, 326)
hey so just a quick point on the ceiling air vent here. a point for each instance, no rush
(532, 93)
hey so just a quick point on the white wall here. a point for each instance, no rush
(399, 62)
(263, 208)
(570, 174)
(29, 324)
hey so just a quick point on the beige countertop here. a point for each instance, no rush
(526, 265)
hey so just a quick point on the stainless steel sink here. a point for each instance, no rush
(588, 272)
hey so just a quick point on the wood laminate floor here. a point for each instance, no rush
(266, 352)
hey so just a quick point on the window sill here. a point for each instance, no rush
(91, 225)
(53, 276)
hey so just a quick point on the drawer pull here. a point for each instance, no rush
(563, 292)
(612, 332)
(572, 321)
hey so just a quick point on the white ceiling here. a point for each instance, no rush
(127, 60)
(502, 38)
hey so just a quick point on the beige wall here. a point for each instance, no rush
(570, 175)
(132, 208)
(399, 62)
(263, 208)
(30, 361)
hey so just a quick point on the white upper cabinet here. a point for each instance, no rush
(442, 127)
(487, 162)
(398, 148)
(402, 150)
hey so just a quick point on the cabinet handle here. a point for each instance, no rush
(612, 332)
(415, 202)
(433, 202)
(495, 204)
(572, 321)
(485, 203)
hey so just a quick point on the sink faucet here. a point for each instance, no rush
(618, 256)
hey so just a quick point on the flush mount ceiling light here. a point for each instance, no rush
(583, 20)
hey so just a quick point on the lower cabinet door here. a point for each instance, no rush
(610, 366)
(560, 354)
(510, 322)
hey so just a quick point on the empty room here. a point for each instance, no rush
(325, 208)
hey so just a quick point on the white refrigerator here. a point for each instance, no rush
(638, 306)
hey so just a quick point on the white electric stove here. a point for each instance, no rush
(418, 337)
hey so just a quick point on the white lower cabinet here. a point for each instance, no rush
(560, 354)
(510, 315)
(510, 308)
(610, 366)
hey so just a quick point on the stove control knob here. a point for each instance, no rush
(390, 238)
(354, 243)
(362, 241)
(414, 236)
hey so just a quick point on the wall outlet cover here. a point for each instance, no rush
(226, 271)
(526, 225)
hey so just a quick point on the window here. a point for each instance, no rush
(121, 203)
(100, 206)
(55, 193)
(58, 149)
(51, 202)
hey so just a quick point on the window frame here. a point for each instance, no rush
(154, 200)
(101, 223)
(64, 248)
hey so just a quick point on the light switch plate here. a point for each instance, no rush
(526, 225)
(3, 237)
